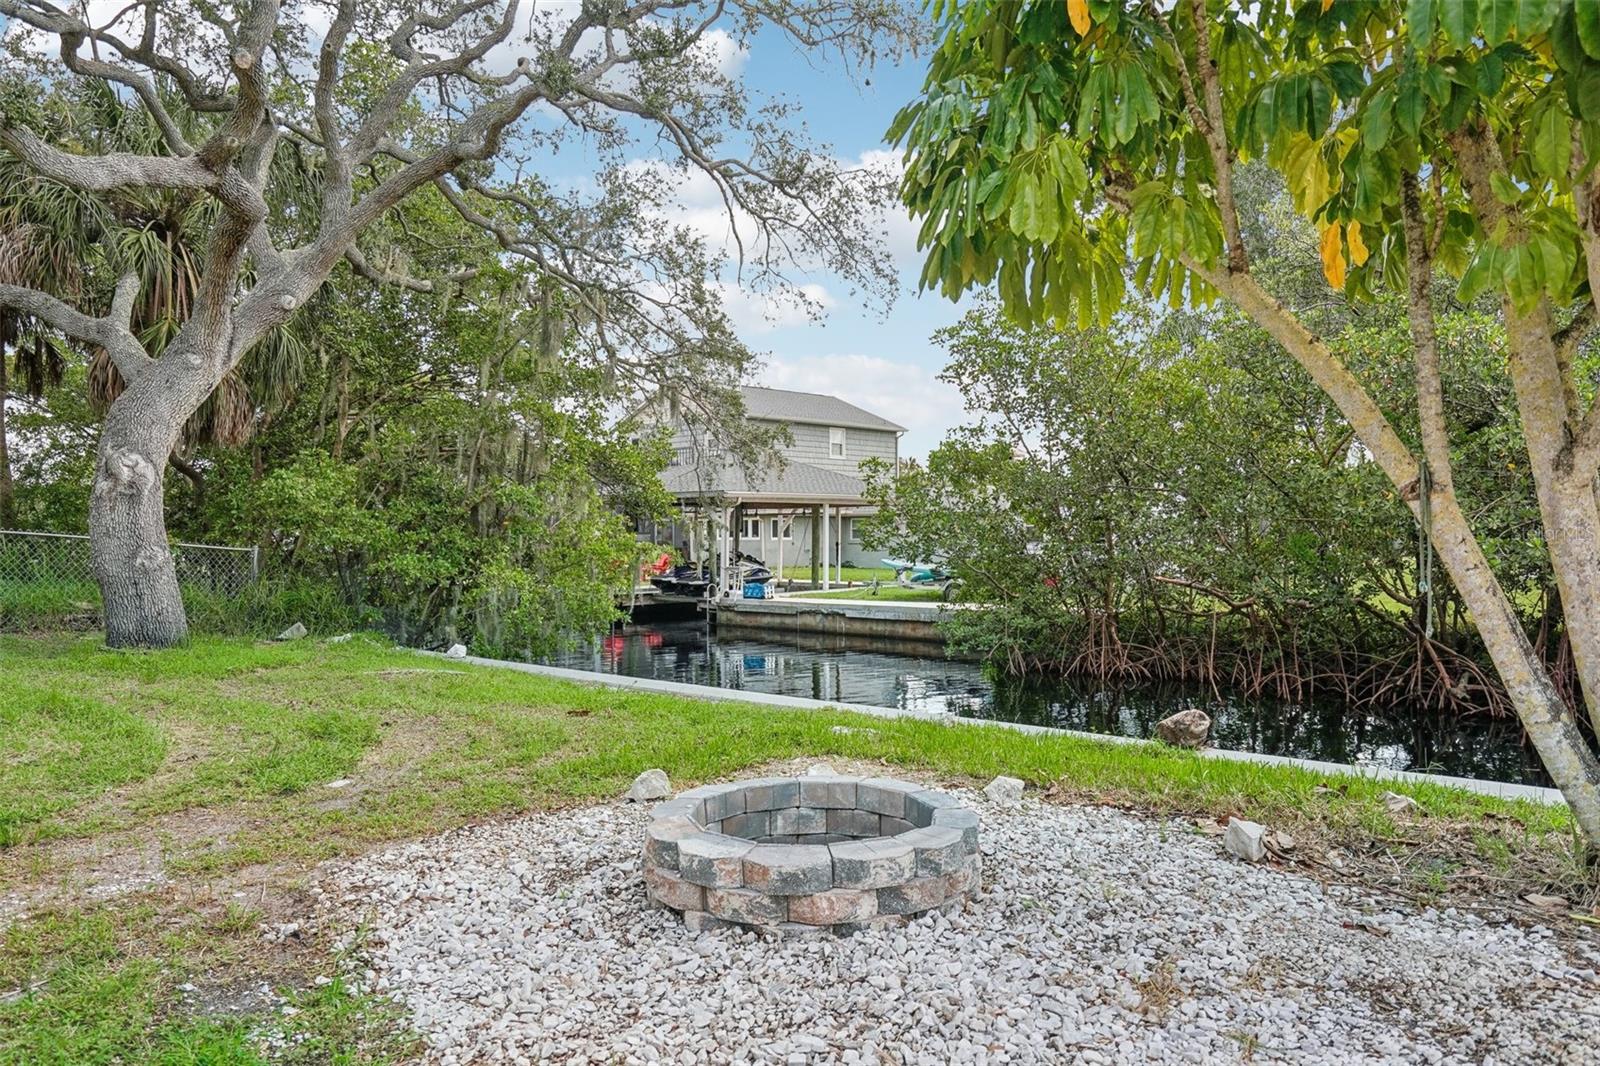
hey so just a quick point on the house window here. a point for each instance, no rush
(852, 532)
(783, 529)
(750, 529)
(836, 442)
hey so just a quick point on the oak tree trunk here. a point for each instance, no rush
(127, 524)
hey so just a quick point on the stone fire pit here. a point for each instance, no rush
(802, 854)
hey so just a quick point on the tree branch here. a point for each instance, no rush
(1424, 336)
(109, 171)
(110, 332)
(364, 268)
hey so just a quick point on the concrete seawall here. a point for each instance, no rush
(879, 620)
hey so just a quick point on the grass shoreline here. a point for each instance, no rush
(240, 765)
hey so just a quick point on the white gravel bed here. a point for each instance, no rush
(1097, 938)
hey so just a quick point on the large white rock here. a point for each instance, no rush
(294, 632)
(1004, 792)
(1186, 729)
(650, 785)
(457, 651)
(1246, 840)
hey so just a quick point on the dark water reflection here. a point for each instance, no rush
(908, 676)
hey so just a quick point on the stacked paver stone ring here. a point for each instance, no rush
(802, 854)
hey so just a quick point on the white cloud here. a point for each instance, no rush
(762, 312)
(725, 53)
(902, 392)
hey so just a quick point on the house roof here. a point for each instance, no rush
(795, 483)
(812, 408)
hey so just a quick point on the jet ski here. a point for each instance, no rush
(689, 579)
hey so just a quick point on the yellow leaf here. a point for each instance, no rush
(1326, 4)
(1332, 256)
(1078, 12)
(1300, 161)
(1358, 249)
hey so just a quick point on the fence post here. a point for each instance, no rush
(255, 563)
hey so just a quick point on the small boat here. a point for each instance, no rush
(909, 573)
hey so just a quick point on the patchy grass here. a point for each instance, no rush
(242, 764)
(120, 985)
(59, 748)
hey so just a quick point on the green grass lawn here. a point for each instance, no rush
(850, 573)
(219, 756)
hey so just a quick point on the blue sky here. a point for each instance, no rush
(886, 363)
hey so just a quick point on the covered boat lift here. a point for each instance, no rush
(715, 504)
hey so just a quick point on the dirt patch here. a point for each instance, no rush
(404, 744)
(83, 871)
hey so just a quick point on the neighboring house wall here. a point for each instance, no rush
(810, 444)
(813, 445)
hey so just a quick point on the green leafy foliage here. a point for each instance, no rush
(1341, 99)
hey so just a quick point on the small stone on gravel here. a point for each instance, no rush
(650, 785)
(1245, 840)
(1004, 792)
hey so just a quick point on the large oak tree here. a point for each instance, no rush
(371, 103)
(1060, 149)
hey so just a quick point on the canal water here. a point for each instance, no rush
(919, 678)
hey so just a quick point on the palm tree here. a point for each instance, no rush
(32, 253)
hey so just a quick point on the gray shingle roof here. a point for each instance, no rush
(797, 481)
(813, 408)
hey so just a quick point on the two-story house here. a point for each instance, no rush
(800, 511)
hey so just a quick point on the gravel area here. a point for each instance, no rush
(1098, 938)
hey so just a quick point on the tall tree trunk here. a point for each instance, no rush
(127, 524)
(1565, 492)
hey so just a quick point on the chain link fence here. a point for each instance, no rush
(53, 568)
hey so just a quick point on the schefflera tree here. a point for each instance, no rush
(1066, 150)
(470, 101)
